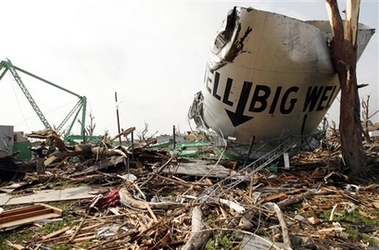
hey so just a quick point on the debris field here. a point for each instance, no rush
(113, 198)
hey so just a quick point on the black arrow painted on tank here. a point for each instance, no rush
(237, 117)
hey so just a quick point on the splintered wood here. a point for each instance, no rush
(153, 206)
(186, 218)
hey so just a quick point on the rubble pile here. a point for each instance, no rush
(162, 201)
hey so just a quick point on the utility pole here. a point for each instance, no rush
(173, 138)
(118, 118)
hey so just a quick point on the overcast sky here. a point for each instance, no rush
(152, 53)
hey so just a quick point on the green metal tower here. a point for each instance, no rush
(80, 106)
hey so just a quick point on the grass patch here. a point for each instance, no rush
(353, 222)
(221, 241)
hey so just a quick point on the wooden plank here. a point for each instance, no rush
(19, 210)
(15, 246)
(55, 209)
(49, 160)
(26, 215)
(56, 233)
(20, 216)
(273, 197)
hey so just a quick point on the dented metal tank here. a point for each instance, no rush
(268, 76)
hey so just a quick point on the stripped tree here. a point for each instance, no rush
(344, 56)
(367, 117)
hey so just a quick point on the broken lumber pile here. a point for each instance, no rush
(162, 204)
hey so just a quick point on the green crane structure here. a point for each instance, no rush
(80, 106)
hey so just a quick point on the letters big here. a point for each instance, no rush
(318, 98)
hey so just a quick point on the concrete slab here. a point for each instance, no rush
(48, 195)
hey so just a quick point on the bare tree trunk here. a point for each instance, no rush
(351, 130)
(344, 56)
(366, 118)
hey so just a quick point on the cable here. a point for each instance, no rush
(18, 102)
